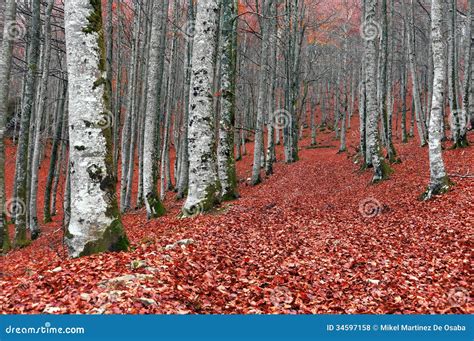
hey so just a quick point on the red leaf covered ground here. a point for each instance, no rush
(305, 241)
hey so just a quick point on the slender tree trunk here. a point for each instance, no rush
(183, 178)
(414, 77)
(439, 182)
(204, 186)
(53, 162)
(471, 61)
(464, 115)
(43, 96)
(143, 105)
(26, 112)
(6, 54)
(63, 157)
(403, 87)
(117, 114)
(127, 126)
(362, 115)
(459, 141)
(372, 108)
(154, 207)
(225, 152)
(259, 133)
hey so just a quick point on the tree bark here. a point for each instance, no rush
(372, 108)
(43, 96)
(154, 207)
(6, 54)
(26, 112)
(183, 178)
(225, 152)
(204, 186)
(95, 223)
(439, 181)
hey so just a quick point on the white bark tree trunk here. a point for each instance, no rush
(204, 186)
(25, 126)
(154, 207)
(262, 92)
(183, 178)
(225, 151)
(5, 72)
(371, 84)
(439, 181)
(414, 77)
(95, 222)
(43, 97)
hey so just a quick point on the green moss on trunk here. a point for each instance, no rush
(156, 206)
(5, 244)
(210, 201)
(113, 239)
(462, 142)
(383, 173)
(440, 187)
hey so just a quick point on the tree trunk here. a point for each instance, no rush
(414, 77)
(464, 115)
(26, 112)
(371, 84)
(53, 162)
(262, 89)
(439, 182)
(154, 207)
(471, 61)
(6, 54)
(43, 96)
(183, 178)
(95, 223)
(204, 186)
(225, 152)
(127, 126)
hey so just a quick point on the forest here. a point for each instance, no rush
(236, 156)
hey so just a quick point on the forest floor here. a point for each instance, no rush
(315, 237)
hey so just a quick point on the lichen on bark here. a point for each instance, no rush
(95, 223)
